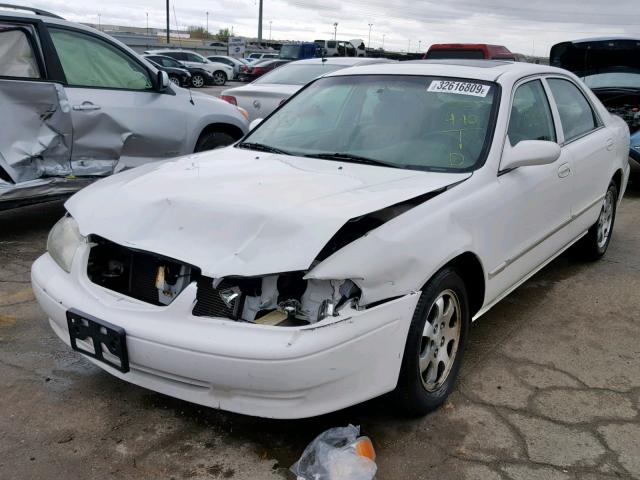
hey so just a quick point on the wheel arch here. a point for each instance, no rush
(617, 179)
(470, 268)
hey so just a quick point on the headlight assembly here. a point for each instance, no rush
(63, 241)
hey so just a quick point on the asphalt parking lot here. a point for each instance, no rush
(550, 389)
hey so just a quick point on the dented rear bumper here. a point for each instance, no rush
(276, 372)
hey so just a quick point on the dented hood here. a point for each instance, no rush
(240, 212)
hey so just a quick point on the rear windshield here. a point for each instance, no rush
(297, 74)
(460, 53)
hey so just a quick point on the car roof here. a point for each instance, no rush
(160, 51)
(347, 61)
(488, 70)
(604, 39)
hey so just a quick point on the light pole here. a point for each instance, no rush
(409, 47)
(147, 24)
(383, 35)
(207, 32)
(260, 23)
(270, 22)
(335, 31)
(168, 31)
(369, 42)
(419, 45)
(99, 23)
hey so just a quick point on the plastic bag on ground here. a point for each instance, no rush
(337, 454)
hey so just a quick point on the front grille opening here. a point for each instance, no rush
(141, 275)
(226, 300)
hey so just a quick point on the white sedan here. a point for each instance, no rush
(342, 248)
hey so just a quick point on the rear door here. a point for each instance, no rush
(36, 130)
(591, 147)
(119, 119)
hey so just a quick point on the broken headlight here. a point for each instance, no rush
(63, 241)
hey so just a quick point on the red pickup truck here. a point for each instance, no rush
(470, 51)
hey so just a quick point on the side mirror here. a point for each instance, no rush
(528, 153)
(255, 123)
(163, 81)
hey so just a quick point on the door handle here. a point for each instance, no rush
(610, 144)
(564, 170)
(85, 107)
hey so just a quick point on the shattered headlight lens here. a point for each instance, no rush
(63, 241)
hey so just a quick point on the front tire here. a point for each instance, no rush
(219, 78)
(197, 81)
(596, 242)
(435, 344)
(213, 140)
(175, 80)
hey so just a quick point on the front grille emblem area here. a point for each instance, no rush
(229, 296)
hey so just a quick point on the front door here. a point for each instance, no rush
(119, 119)
(529, 225)
(36, 131)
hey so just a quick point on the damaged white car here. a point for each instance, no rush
(341, 250)
(78, 105)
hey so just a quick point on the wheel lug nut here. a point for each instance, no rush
(442, 342)
(442, 325)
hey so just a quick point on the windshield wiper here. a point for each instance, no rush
(348, 157)
(261, 147)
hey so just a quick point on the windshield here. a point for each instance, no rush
(296, 74)
(612, 79)
(413, 122)
(290, 51)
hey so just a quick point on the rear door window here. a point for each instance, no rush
(18, 57)
(89, 61)
(576, 114)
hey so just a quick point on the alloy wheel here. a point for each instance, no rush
(197, 81)
(219, 78)
(605, 220)
(440, 339)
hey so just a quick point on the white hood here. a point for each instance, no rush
(241, 212)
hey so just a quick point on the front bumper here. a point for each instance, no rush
(275, 372)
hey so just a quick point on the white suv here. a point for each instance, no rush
(220, 71)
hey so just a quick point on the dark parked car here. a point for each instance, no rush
(611, 68)
(249, 73)
(178, 74)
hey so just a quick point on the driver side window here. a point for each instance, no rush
(531, 117)
(88, 61)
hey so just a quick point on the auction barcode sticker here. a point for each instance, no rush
(461, 88)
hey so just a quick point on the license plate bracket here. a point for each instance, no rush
(99, 333)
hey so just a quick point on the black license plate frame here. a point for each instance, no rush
(99, 332)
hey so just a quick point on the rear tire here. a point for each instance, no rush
(435, 344)
(175, 80)
(213, 140)
(595, 243)
(219, 78)
(197, 81)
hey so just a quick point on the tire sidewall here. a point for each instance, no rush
(415, 399)
(213, 140)
(603, 250)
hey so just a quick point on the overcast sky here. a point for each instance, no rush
(525, 27)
